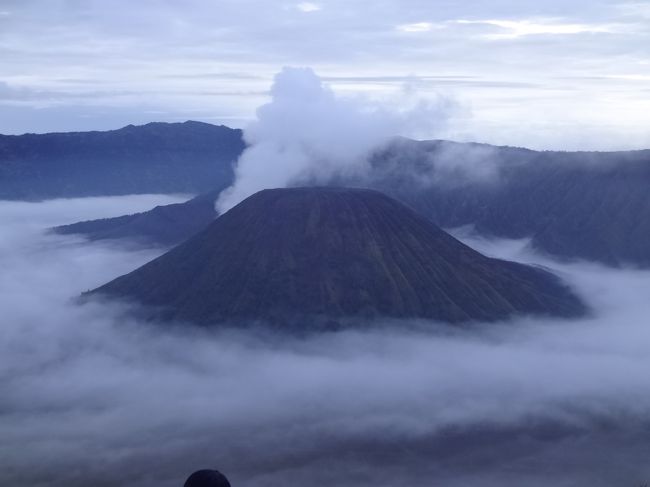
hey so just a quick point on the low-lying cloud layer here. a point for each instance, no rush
(92, 397)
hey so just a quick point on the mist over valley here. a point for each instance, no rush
(94, 395)
(324, 243)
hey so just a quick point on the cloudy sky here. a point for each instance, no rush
(552, 74)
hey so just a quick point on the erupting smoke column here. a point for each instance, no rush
(309, 134)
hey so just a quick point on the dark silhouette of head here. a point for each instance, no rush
(207, 478)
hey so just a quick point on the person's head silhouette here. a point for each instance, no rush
(207, 478)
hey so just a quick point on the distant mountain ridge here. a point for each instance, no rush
(189, 157)
(312, 255)
(585, 205)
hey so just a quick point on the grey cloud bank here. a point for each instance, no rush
(94, 397)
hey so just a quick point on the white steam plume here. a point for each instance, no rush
(307, 133)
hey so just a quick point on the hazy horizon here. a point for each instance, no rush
(557, 75)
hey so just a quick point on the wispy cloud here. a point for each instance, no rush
(435, 80)
(636, 9)
(308, 7)
(512, 29)
(417, 27)
(39, 97)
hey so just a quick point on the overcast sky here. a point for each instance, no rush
(552, 74)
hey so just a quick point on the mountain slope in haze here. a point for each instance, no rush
(592, 206)
(327, 253)
(165, 225)
(189, 157)
(586, 205)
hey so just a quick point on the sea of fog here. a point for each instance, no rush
(90, 396)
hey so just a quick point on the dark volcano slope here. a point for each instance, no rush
(163, 225)
(292, 254)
